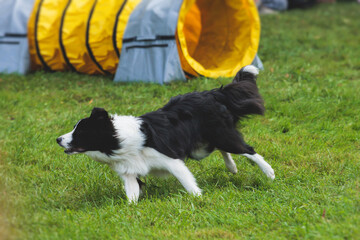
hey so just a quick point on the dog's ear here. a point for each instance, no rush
(99, 113)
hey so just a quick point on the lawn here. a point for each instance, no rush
(310, 135)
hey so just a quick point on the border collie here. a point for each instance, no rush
(188, 126)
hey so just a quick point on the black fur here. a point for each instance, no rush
(204, 118)
(187, 122)
(188, 126)
(95, 133)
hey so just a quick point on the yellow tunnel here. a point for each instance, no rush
(214, 37)
(218, 37)
(79, 35)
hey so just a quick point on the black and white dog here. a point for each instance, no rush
(188, 126)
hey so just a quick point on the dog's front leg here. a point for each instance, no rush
(177, 168)
(132, 188)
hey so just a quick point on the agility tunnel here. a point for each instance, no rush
(144, 40)
(80, 35)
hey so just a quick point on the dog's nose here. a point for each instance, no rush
(58, 140)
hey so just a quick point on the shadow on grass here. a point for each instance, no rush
(217, 180)
(95, 197)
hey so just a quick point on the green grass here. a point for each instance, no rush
(310, 135)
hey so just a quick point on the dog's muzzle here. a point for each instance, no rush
(69, 150)
(59, 140)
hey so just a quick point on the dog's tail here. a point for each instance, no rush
(247, 73)
(242, 96)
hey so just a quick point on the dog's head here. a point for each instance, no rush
(95, 133)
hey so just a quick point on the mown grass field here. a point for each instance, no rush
(310, 135)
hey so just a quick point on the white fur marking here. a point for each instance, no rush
(251, 69)
(149, 159)
(67, 138)
(263, 165)
(133, 159)
(200, 152)
(129, 133)
(229, 162)
(132, 188)
(182, 173)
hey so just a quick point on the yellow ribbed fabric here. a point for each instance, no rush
(82, 35)
(103, 21)
(214, 37)
(74, 36)
(217, 37)
(47, 16)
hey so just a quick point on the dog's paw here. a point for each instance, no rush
(132, 201)
(232, 168)
(269, 172)
(264, 166)
(196, 192)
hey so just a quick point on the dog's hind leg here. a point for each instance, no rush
(229, 162)
(263, 165)
(177, 168)
(231, 141)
